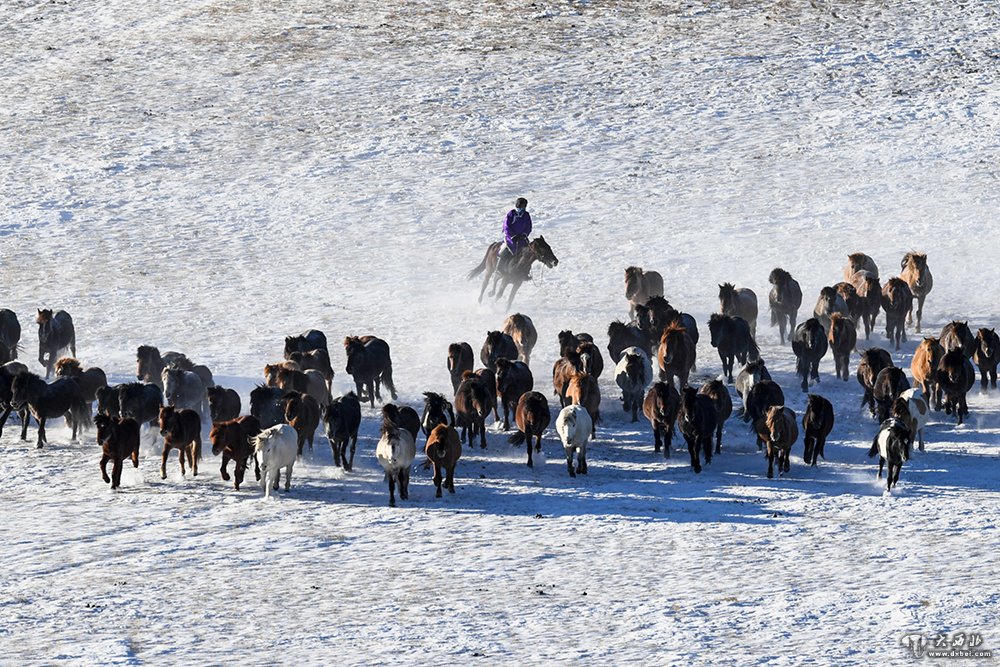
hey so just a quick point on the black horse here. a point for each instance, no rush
(518, 270)
(809, 345)
(140, 401)
(497, 345)
(310, 340)
(55, 334)
(817, 423)
(343, 419)
(45, 401)
(697, 421)
(7, 373)
(731, 337)
(10, 335)
(889, 384)
(266, 405)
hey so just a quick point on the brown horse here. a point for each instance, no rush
(472, 404)
(489, 380)
(828, 303)
(532, 417)
(181, 430)
(780, 432)
(719, 393)
(90, 380)
(271, 371)
(872, 361)
(897, 299)
(233, 439)
(817, 423)
(622, 335)
(923, 368)
(584, 390)
(784, 300)
(855, 306)
(916, 274)
(223, 404)
(987, 356)
(843, 337)
(55, 334)
(958, 335)
(570, 341)
(302, 413)
(859, 261)
(660, 407)
(513, 379)
(870, 293)
(563, 370)
(370, 364)
(315, 360)
(119, 440)
(498, 345)
(675, 355)
(739, 302)
(640, 285)
(443, 449)
(460, 359)
(518, 270)
(522, 330)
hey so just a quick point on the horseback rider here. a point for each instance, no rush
(516, 228)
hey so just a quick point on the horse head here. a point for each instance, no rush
(353, 348)
(727, 295)
(544, 252)
(167, 417)
(633, 275)
(715, 326)
(44, 320)
(988, 343)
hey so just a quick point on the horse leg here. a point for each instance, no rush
(770, 460)
(656, 438)
(482, 434)
(4, 416)
(256, 466)
(693, 452)
(116, 474)
(881, 462)
(531, 463)
(993, 377)
(984, 378)
(42, 439)
(506, 415)
(288, 477)
(225, 474)
(486, 282)
(718, 439)
(370, 386)
(104, 468)
(449, 481)
(920, 310)
(513, 290)
(581, 460)
(241, 468)
(163, 463)
(569, 462)
(808, 442)
(195, 454)
(706, 446)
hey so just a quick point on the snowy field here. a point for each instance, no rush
(210, 176)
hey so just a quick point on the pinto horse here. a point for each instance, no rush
(55, 334)
(518, 270)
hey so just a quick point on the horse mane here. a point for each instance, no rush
(673, 328)
(911, 257)
(834, 318)
(712, 319)
(658, 302)
(468, 375)
(774, 417)
(68, 366)
(351, 340)
(390, 413)
(779, 275)
(147, 351)
(828, 292)
(856, 257)
(44, 315)
(632, 270)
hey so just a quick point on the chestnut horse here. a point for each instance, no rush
(518, 270)
(233, 439)
(472, 405)
(119, 440)
(924, 367)
(532, 417)
(780, 431)
(443, 449)
(584, 390)
(675, 355)
(181, 430)
(916, 274)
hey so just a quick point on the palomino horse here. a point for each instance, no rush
(517, 272)
(916, 274)
(10, 335)
(739, 302)
(923, 368)
(785, 299)
(55, 334)
(640, 285)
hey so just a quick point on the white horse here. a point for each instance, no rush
(633, 373)
(574, 427)
(395, 452)
(278, 448)
(917, 412)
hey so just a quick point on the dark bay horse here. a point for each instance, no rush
(872, 361)
(369, 363)
(343, 419)
(660, 407)
(732, 338)
(55, 334)
(785, 299)
(45, 401)
(897, 300)
(816, 426)
(987, 356)
(532, 417)
(640, 285)
(233, 439)
(809, 345)
(119, 440)
(460, 359)
(10, 335)
(517, 272)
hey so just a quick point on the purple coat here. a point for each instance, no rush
(515, 225)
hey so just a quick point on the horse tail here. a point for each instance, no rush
(482, 265)
(518, 438)
(387, 380)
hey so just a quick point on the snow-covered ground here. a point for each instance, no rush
(211, 176)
